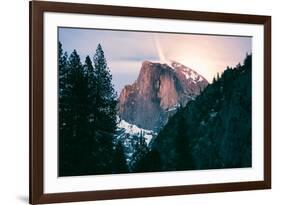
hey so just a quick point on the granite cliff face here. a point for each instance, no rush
(157, 93)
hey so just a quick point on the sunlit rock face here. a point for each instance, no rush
(158, 91)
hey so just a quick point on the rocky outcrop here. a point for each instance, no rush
(159, 89)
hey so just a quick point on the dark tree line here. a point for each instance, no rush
(87, 116)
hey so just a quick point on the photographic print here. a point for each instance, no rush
(133, 101)
(130, 102)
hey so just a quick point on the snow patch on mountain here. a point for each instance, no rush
(127, 128)
(188, 72)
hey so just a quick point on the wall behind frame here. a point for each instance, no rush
(14, 78)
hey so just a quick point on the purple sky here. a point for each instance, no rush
(126, 50)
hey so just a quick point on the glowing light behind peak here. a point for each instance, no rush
(159, 50)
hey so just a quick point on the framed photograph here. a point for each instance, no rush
(138, 102)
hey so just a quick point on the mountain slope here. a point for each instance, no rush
(213, 131)
(158, 91)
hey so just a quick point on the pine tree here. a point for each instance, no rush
(62, 66)
(218, 76)
(214, 80)
(142, 141)
(248, 61)
(91, 82)
(78, 93)
(106, 97)
(119, 161)
(63, 71)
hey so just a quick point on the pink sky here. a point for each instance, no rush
(207, 54)
(126, 50)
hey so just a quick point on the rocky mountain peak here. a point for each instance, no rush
(159, 89)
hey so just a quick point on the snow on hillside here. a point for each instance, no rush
(135, 130)
(130, 136)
